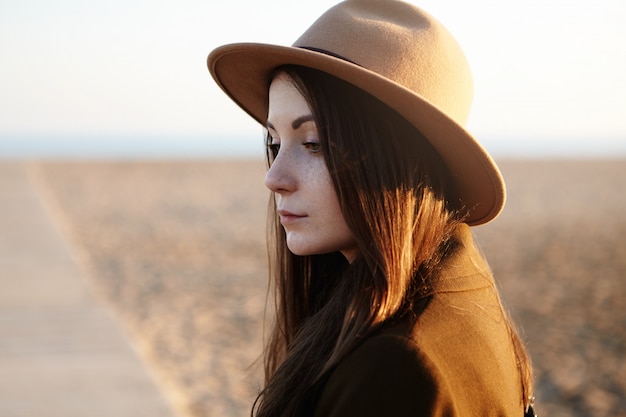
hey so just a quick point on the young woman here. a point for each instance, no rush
(384, 305)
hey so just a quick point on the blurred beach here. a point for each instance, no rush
(133, 270)
(176, 250)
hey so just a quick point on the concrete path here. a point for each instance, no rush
(61, 353)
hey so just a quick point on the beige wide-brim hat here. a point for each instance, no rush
(397, 53)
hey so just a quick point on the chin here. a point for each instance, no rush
(304, 251)
(301, 252)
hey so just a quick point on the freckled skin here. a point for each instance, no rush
(299, 177)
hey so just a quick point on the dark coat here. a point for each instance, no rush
(456, 359)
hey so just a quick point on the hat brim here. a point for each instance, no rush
(242, 70)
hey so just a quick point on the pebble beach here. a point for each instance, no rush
(176, 250)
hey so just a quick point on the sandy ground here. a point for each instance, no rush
(177, 250)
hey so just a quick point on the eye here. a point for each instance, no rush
(313, 146)
(273, 146)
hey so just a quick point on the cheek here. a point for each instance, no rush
(320, 175)
(331, 209)
(323, 196)
(325, 230)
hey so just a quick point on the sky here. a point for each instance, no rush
(547, 73)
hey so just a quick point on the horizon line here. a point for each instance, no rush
(244, 145)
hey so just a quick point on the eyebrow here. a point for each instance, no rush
(296, 123)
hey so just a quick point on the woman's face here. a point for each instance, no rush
(305, 196)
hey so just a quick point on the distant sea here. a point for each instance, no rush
(131, 147)
(142, 147)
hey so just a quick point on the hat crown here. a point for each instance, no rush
(400, 42)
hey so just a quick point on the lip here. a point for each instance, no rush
(287, 217)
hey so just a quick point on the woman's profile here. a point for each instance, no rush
(384, 304)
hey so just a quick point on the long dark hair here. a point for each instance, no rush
(392, 188)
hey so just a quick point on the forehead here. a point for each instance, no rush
(286, 103)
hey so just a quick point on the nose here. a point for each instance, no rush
(279, 177)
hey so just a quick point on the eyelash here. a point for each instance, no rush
(273, 148)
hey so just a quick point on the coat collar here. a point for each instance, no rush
(463, 269)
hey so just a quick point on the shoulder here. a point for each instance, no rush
(455, 360)
(386, 375)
